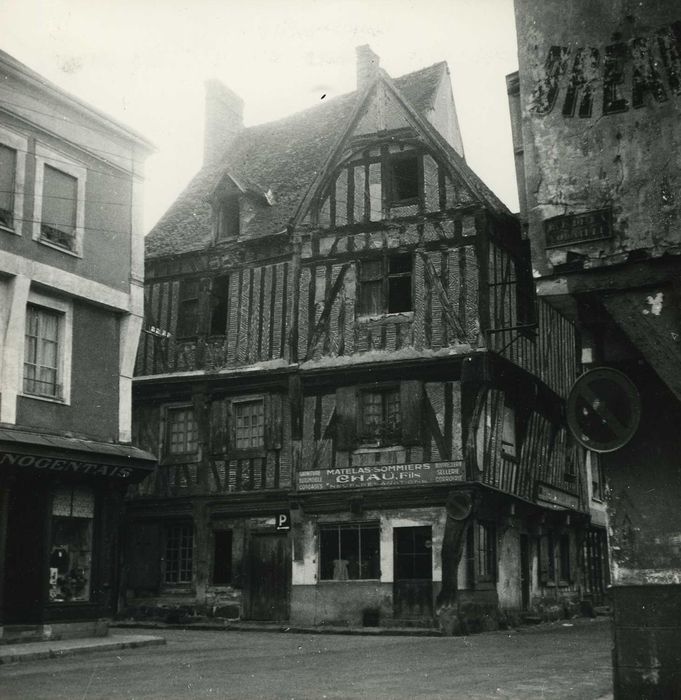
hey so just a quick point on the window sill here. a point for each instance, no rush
(350, 580)
(60, 248)
(388, 317)
(410, 202)
(9, 229)
(48, 399)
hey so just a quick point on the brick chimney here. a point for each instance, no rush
(224, 119)
(367, 66)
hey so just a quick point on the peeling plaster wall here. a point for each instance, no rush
(601, 112)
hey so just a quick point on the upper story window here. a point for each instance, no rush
(219, 305)
(8, 162)
(183, 432)
(380, 416)
(249, 429)
(59, 211)
(188, 310)
(228, 218)
(13, 148)
(386, 285)
(404, 179)
(47, 348)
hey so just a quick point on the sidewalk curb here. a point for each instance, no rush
(71, 647)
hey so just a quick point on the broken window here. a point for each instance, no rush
(188, 311)
(8, 159)
(219, 305)
(349, 552)
(182, 431)
(385, 285)
(60, 193)
(179, 554)
(380, 416)
(222, 557)
(404, 178)
(228, 218)
(249, 419)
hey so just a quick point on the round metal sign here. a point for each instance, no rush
(459, 505)
(603, 409)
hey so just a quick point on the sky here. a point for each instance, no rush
(145, 62)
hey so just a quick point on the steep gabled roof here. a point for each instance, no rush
(284, 156)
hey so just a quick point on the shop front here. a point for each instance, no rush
(61, 501)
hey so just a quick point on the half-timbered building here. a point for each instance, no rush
(356, 399)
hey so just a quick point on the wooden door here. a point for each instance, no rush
(525, 571)
(413, 578)
(269, 569)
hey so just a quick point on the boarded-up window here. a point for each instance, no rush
(219, 303)
(182, 431)
(179, 554)
(60, 195)
(222, 557)
(188, 310)
(8, 164)
(349, 552)
(249, 417)
(42, 352)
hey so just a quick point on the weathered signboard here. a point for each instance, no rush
(577, 228)
(381, 475)
(556, 499)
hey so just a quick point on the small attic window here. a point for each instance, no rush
(228, 219)
(404, 178)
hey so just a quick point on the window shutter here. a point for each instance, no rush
(7, 172)
(60, 192)
(346, 418)
(273, 421)
(218, 427)
(544, 559)
(411, 404)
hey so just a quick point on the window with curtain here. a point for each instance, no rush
(60, 204)
(42, 352)
(8, 164)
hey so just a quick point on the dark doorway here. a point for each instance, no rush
(269, 577)
(413, 579)
(525, 571)
(25, 572)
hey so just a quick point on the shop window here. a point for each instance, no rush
(58, 218)
(385, 285)
(380, 419)
(249, 424)
(188, 309)
(73, 512)
(404, 178)
(222, 557)
(182, 431)
(349, 552)
(219, 305)
(43, 352)
(228, 218)
(179, 554)
(485, 552)
(8, 160)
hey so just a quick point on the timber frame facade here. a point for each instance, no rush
(357, 401)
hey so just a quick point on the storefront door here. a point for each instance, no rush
(269, 568)
(413, 582)
(25, 568)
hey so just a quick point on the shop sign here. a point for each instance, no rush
(381, 475)
(571, 229)
(52, 464)
(283, 521)
(557, 499)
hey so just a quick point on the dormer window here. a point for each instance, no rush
(228, 219)
(404, 178)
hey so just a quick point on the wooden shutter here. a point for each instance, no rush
(346, 418)
(219, 438)
(411, 405)
(273, 421)
(144, 556)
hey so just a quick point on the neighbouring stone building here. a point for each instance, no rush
(357, 401)
(597, 117)
(71, 304)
